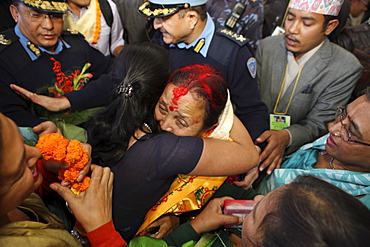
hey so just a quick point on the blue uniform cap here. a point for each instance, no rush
(162, 8)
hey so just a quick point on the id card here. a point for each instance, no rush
(278, 31)
(279, 122)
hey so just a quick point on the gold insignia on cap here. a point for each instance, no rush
(238, 37)
(4, 41)
(34, 49)
(199, 45)
(47, 5)
(148, 12)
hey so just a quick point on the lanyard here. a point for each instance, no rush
(281, 91)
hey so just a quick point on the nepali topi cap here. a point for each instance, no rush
(162, 8)
(54, 6)
(325, 7)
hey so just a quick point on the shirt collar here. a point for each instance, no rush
(23, 40)
(207, 34)
(302, 61)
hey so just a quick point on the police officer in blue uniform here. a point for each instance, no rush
(189, 34)
(25, 60)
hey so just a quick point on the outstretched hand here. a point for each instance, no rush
(49, 103)
(272, 155)
(212, 217)
(93, 207)
(46, 127)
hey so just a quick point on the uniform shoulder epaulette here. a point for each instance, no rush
(72, 32)
(7, 38)
(237, 38)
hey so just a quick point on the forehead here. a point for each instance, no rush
(182, 100)
(361, 103)
(360, 108)
(176, 93)
(306, 14)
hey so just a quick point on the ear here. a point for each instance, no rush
(209, 131)
(331, 26)
(193, 18)
(14, 12)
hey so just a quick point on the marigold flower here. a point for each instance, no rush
(52, 146)
(55, 147)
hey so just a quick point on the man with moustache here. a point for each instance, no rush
(28, 56)
(303, 76)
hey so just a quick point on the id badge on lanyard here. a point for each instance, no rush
(279, 122)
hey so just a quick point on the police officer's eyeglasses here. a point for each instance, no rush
(38, 17)
(345, 133)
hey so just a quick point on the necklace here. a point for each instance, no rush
(149, 129)
(331, 163)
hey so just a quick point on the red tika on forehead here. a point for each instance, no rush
(177, 93)
(172, 108)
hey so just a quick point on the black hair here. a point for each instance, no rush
(311, 212)
(145, 68)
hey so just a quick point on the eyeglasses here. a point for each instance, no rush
(345, 133)
(37, 17)
(364, 3)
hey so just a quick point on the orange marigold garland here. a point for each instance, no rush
(55, 147)
(97, 24)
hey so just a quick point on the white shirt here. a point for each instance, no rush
(295, 65)
(115, 33)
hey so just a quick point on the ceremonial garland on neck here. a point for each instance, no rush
(97, 24)
(55, 147)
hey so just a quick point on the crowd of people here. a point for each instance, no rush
(186, 109)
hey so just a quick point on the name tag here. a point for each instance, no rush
(279, 122)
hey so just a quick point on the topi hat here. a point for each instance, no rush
(54, 6)
(162, 8)
(325, 7)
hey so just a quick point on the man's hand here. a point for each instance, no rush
(212, 217)
(166, 223)
(272, 155)
(49, 103)
(46, 128)
(93, 207)
(249, 179)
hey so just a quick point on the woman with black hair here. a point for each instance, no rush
(126, 136)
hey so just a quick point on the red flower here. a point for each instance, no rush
(74, 81)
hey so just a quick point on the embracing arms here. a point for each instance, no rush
(221, 158)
